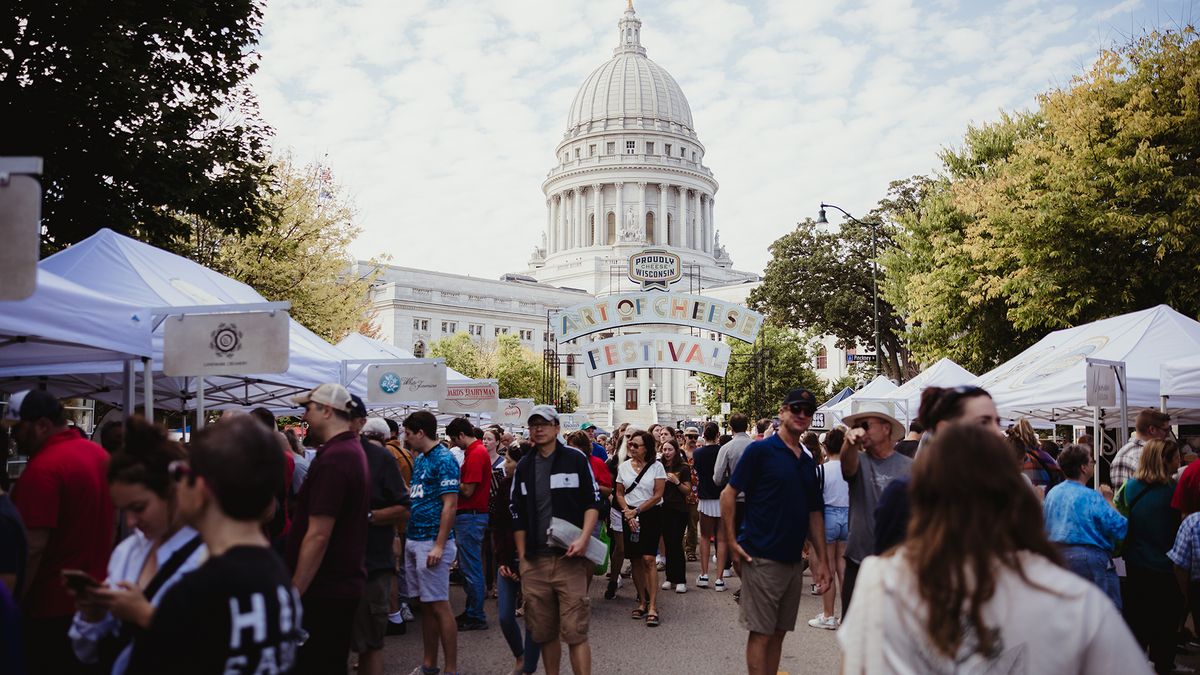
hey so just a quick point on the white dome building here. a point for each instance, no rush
(630, 173)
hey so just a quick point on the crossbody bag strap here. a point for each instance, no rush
(637, 480)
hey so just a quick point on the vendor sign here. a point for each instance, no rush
(675, 309)
(416, 382)
(481, 396)
(656, 350)
(235, 343)
(514, 411)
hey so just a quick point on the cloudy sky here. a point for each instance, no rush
(440, 118)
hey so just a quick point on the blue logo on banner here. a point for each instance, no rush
(389, 383)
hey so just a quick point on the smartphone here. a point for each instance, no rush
(78, 580)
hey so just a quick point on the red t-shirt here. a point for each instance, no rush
(1187, 491)
(476, 468)
(601, 473)
(64, 489)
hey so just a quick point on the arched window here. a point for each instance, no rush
(670, 231)
(611, 234)
(822, 358)
(650, 227)
(419, 349)
(591, 237)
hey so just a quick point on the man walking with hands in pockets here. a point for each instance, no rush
(784, 507)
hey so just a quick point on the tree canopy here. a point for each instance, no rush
(516, 368)
(760, 374)
(141, 111)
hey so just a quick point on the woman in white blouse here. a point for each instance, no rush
(641, 481)
(143, 566)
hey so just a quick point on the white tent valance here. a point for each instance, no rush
(906, 399)
(1179, 382)
(1048, 380)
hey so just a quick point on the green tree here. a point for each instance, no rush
(819, 280)
(461, 353)
(1082, 209)
(302, 256)
(754, 384)
(835, 386)
(516, 368)
(141, 110)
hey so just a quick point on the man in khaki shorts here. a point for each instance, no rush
(554, 481)
(784, 506)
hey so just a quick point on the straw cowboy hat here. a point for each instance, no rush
(880, 409)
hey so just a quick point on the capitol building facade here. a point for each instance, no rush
(629, 174)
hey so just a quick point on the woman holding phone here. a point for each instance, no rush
(158, 552)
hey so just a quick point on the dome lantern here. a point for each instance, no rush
(630, 38)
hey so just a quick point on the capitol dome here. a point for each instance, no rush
(628, 91)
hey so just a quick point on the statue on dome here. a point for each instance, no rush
(719, 251)
(629, 228)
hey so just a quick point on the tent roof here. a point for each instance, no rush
(359, 346)
(63, 322)
(838, 397)
(835, 411)
(907, 397)
(120, 267)
(1180, 381)
(1048, 380)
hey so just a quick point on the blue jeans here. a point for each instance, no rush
(468, 531)
(1096, 566)
(507, 591)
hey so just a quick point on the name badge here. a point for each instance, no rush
(564, 480)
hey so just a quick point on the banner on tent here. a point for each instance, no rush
(514, 411)
(240, 343)
(656, 350)
(471, 397)
(416, 382)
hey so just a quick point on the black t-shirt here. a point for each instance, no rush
(387, 489)
(14, 544)
(704, 460)
(907, 448)
(236, 613)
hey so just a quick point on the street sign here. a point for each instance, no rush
(725, 408)
(860, 358)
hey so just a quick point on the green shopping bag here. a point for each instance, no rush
(602, 568)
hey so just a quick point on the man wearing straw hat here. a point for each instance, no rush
(869, 463)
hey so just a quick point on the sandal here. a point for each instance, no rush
(692, 557)
(637, 613)
(651, 620)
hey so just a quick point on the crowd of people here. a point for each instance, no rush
(954, 545)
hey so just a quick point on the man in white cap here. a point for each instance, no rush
(869, 463)
(326, 547)
(554, 482)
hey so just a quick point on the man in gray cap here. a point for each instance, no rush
(554, 482)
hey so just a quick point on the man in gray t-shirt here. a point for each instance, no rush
(869, 463)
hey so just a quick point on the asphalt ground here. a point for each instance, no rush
(700, 634)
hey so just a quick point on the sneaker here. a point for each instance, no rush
(420, 670)
(660, 565)
(681, 588)
(611, 591)
(702, 581)
(719, 586)
(471, 624)
(406, 612)
(814, 590)
(666, 586)
(727, 573)
(822, 621)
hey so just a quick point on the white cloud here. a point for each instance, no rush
(441, 118)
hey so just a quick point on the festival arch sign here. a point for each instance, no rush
(654, 305)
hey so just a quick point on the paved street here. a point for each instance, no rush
(699, 635)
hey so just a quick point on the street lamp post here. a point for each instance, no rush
(821, 220)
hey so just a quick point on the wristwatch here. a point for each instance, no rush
(370, 516)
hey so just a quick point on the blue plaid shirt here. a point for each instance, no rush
(1186, 551)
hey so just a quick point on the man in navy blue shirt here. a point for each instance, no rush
(597, 449)
(784, 506)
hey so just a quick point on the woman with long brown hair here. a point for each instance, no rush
(977, 585)
(675, 515)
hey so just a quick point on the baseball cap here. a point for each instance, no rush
(586, 425)
(333, 395)
(546, 412)
(29, 405)
(801, 395)
(358, 409)
(691, 431)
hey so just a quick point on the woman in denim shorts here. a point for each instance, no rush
(837, 523)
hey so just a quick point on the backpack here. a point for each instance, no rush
(404, 459)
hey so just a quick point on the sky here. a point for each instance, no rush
(439, 119)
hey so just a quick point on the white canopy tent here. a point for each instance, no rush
(876, 388)
(1048, 381)
(906, 399)
(120, 267)
(1179, 382)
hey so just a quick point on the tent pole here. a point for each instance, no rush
(1097, 443)
(199, 403)
(1162, 404)
(130, 395)
(1123, 434)
(148, 385)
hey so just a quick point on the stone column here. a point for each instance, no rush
(697, 216)
(684, 230)
(620, 219)
(554, 230)
(597, 390)
(643, 387)
(619, 396)
(598, 200)
(665, 382)
(705, 238)
(642, 210)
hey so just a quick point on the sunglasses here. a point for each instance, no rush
(178, 470)
(801, 409)
(635, 444)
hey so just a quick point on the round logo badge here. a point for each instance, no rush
(389, 383)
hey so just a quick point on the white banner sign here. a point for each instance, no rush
(568, 422)
(656, 350)
(410, 382)
(1101, 385)
(514, 411)
(243, 343)
(480, 396)
(652, 307)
